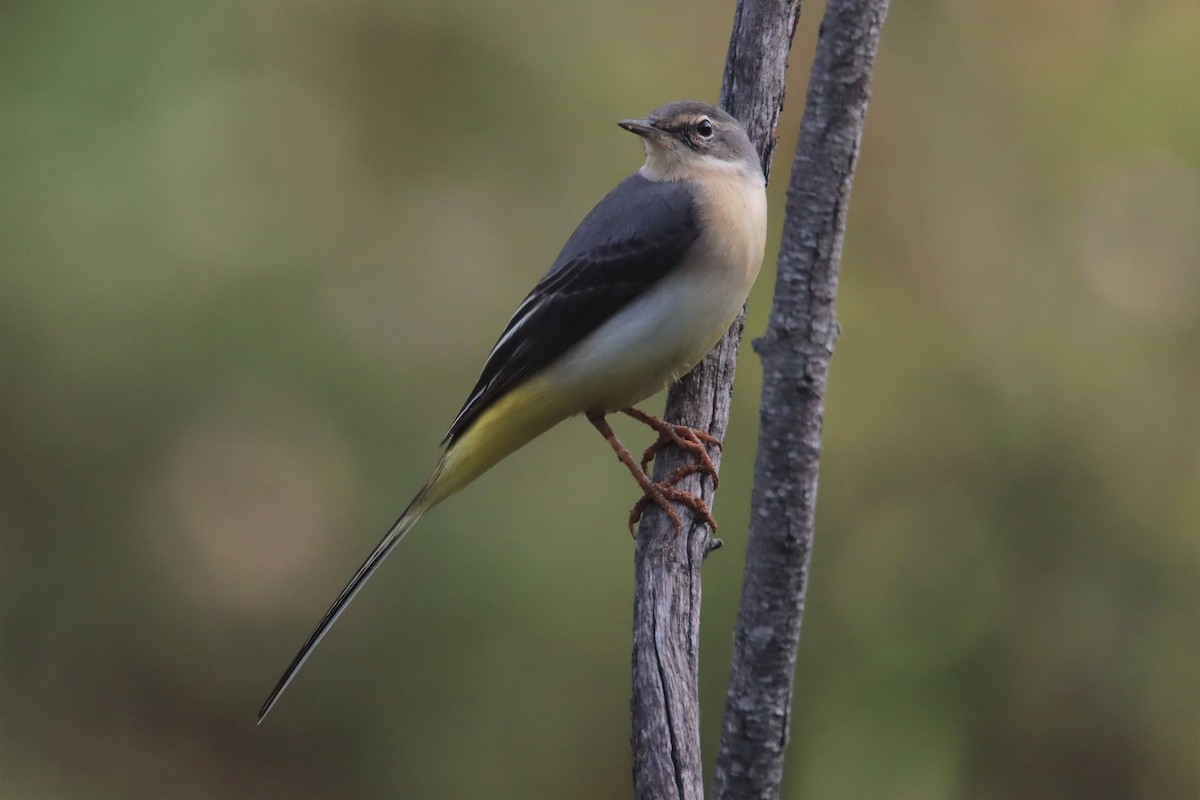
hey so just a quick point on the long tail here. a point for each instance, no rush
(524, 413)
(400, 527)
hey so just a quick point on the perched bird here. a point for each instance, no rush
(648, 283)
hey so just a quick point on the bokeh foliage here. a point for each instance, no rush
(252, 254)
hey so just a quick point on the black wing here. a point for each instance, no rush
(636, 235)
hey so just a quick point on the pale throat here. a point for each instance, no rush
(675, 164)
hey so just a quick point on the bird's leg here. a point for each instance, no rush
(661, 494)
(691, 440)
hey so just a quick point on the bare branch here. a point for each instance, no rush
(795, 352)
(666, 714)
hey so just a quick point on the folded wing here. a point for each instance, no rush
(631, 240)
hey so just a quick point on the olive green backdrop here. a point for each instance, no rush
(253, 253)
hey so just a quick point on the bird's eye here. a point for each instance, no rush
(704, 128)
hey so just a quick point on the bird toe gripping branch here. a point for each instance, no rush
(664, 493)
(692, 440)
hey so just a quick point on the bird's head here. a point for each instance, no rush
(687, 138)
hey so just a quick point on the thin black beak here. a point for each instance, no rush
(641, 127)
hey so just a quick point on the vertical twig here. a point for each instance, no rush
(666, 714)
(795, 352)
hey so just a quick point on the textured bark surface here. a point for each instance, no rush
(795, 352)
(666, 712)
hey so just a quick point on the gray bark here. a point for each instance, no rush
(666, 712)
(795, 352)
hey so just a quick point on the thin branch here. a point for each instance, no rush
(795, 352)
(666, 713)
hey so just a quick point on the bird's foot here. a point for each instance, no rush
(691, 440)
(663, 494)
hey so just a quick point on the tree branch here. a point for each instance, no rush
(666, 714)
(795, 352)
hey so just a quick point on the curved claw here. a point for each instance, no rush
(662, 495)
(683, 470)
(688, 439)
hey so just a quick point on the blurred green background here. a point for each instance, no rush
(253, 254)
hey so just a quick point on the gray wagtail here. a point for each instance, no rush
(646, 285)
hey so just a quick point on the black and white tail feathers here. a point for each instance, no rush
(396, 533)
